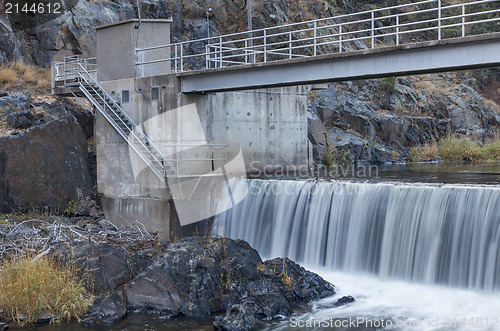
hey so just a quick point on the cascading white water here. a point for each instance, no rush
(439, 234)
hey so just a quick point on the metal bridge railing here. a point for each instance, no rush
(69, 69)
(80, 72)
(397, 25)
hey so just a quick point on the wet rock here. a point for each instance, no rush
(343, 301)
(202, 276)
(46, 318)
(337, 303)
(46, 165)
(237, 318)
(108, 310)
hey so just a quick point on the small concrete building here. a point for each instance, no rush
(269, 126)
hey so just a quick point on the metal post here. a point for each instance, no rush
(340, 38)
(182, 58)
(246, 51)
(206, 56)
(209, 12)
(220, 52)
(289, 45)
(397, 30)
(463, 20)
(250, 35)
(439, 19)
(249, 15)
(265, 46)
(373, 29)
(175, 57)
(315, 36)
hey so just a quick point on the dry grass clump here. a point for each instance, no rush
(457, 149)
(32, 287)
(427, 152)
(452, 148)
(491, 150)
(21, 76)
(7, 75)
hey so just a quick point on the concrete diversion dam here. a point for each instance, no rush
(436, 234)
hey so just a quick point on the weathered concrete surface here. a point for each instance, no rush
(153, 213)
(269, 125)
(116, 44)
(417, 58)
(44, 166)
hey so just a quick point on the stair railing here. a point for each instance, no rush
(85, 77)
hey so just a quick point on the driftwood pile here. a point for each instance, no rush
(36, 236)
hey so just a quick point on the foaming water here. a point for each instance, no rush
(398, 305)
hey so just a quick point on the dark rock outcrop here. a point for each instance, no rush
(44, 166)
(22, 119)
(200, 276)
(105, 266)
(238, 317)
(193, 277)
(107, 310)
(21, 112)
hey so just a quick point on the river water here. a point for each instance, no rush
(417, 246)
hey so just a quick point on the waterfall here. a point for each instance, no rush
(440, 234)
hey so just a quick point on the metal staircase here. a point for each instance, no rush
(76, 75)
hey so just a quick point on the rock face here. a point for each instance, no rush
(37, 39)
(378, 125)
(20, 111)
(44, 166)
(106, 269)
(198, 277)
(105, 265)
(193, 277)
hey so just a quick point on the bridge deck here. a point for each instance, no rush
(469, 52)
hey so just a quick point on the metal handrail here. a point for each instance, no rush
(76, 69)
(310, 37)
(109, 102)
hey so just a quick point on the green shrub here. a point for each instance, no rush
(491, 150)
(337, 156)
(388, 84)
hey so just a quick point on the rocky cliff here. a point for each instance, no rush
(379, 120)
(375, 120)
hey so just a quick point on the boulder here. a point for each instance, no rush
(22, 119)
(237, 318)
(13, 102)
(46, 166)
(104, 266)
(107, 310)
(203, 276)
